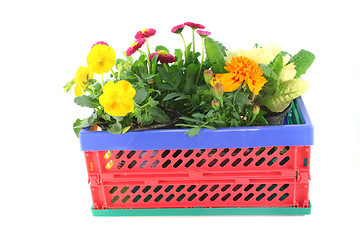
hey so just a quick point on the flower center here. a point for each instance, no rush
(163, 52)
(134, 44)
(144, 31)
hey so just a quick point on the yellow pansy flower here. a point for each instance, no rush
(81, 77)
(101, 58)
(117, 98)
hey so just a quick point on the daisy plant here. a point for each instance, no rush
(212, 89)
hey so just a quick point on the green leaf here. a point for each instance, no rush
(178, 54)
(171, 96)
(302, 60)
(272, 85)
(147, 76)
(87, 122)
(92, 119)
(165, 75)
(164, 86)
(79, 124)
(152, 102)
(178, 78)
(161, 48)
(146, 119)
(86, 101)
(140, 95)
(115, 128)
(215, 54)
(198, 115)
(193, 132)
(69, 85)
(117, 118)
(190, 76)
(190, 119)
(159, 115)
(277, 64)
(288, 91)
(241, 100)
(154, 62)
(95, 88)
(210, 127)
(185, 125)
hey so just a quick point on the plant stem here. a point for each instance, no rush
(193, 35)
(148, 103)
(102, 78)
(147, 57)
(166, 67)
(202, 60)
(119, 71)
(186, 52)
(112, 71)
(147, 44)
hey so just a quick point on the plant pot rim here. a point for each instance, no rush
(237, 137)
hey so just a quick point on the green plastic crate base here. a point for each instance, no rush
(225, 211)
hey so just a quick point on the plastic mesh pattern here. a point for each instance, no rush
(220, 159)
(222, 177)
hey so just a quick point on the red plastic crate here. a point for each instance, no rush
(217, 177)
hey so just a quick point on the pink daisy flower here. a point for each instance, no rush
(163, 56)
(146, 33)
(178, 28)
(100, 42)
(135, 46)
(194, 25)
(203, 34)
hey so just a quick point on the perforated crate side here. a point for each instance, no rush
(285, 160)
(201, 193)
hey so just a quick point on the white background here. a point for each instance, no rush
(44, 192)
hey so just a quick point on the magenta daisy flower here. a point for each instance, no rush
(178, 28)
(146, 33)
(203, 34)
(100, 42)
(163, 56)
(194, 25)
(135, 46)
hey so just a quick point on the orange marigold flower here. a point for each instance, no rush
(242, 69)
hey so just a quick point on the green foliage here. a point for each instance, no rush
(159, 115)
(277, 64)
(87, 101)
(272, 85)
(288, 91)
(302, 60)
(215, 53)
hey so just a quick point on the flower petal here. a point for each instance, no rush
(229, 83)
(120, 108)
(126, 89)
(78, 90)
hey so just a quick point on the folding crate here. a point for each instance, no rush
(231, 171)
